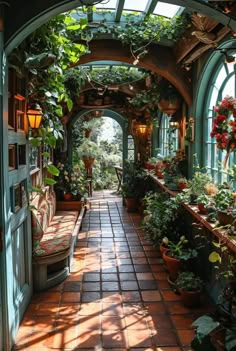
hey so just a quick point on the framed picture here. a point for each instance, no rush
(15, 198)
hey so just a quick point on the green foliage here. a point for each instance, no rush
(189, 281)
(88, 149)
(138, 33)
(161, 217)
(179, 249)
(134, 179)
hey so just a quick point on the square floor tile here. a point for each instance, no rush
(151, 295)
(127, 276)
(131, 296)
(126, 268)
(111, 339)
(165, 337)
(142, 268)
(91, 296)
(147, 284)
(129, 285)
(139, 338)
(110, 286)
(109, 277)
(94, 286)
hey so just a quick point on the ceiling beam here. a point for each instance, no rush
(150, 7)
(119, 9)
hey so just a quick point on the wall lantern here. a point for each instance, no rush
(142, 128)
(35, 115)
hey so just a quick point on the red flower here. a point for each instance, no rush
(224, 127)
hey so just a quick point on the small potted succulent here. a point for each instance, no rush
(190, 288)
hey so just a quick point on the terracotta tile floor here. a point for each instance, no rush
(117, 296)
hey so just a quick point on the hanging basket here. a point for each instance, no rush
(88, 162)
(169, 106)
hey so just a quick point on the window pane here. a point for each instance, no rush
(229, 88)
(111, 4)
(135, 5)
(166, 10)
(221, 77)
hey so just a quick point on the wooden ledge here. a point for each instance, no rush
(193, 210)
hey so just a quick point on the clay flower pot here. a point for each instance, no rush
(190, 298)
(173, 265)
(131, 204)
(88, 162)
(67, 196)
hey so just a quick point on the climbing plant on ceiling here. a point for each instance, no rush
(139, 33)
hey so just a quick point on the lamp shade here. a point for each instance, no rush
(142, 128)
(35, 115)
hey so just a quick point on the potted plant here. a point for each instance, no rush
(225, 205)
(182, 183)
(197, 185)
(133, 187)
(88, 151)
(203, 201)
(88, 126)
(217, 330)
(190, 287)
(71, 181)
(177, 253)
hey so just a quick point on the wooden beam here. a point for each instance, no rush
(198, 52)
(188, 42)
(119, 9)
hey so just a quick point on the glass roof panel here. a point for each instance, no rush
(135, 5)
(111, 4)
(167, 10)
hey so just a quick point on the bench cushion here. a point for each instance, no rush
(57, 237)
(37, 230)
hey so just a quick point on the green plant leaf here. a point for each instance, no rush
(214, 257)
(230, 338)
(45, 154)
(205, 324)
(53, 170)
(49, 181)
(35, 142)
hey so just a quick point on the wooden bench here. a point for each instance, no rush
(54, 237)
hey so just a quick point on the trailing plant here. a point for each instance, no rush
(138, 34)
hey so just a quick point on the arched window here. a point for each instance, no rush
(131, 148)
(168, 137)
(222, 83)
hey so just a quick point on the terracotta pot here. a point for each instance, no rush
(131, 204)
(225, 218)
(202, 208)
(190, 298)
(163, 249)
(67, 196)
(173, 265)
(182, 186)
(88, 162)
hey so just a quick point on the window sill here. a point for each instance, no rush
(201, 219)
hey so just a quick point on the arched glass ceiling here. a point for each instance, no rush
(146, 6)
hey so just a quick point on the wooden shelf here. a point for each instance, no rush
(193, 210)
(69, 205)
